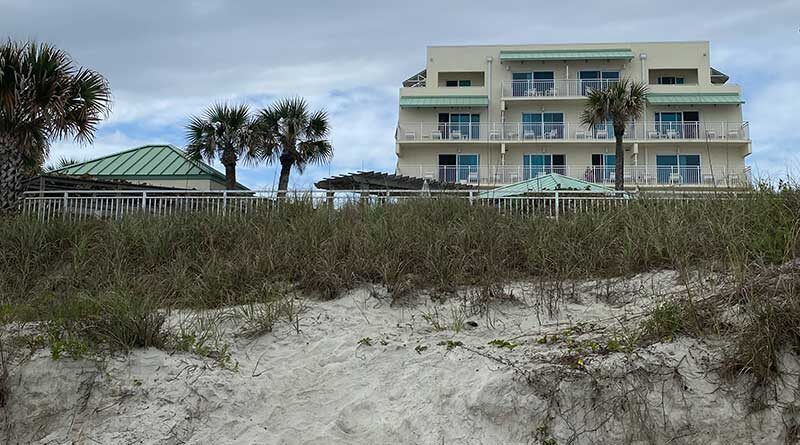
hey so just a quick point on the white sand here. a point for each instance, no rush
(322, 386)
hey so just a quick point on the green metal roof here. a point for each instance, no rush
(568, 54)
(146, 162)
(694, 98)
(444, 101)
(543, 183)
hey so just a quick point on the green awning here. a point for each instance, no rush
(444, 101)
(544, 183)
(577, 54)
(695, 99)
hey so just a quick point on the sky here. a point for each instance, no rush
(169, 60)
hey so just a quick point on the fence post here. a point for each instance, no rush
(144, 201)
(64, 202)
(471, 197)
(557, 203)
(224, 202)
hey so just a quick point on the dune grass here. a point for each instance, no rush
(110, 281)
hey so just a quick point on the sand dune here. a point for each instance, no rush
(406, 384)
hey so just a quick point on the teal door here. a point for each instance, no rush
(531, 125)
(468, 168)
(666, 168)
(521, 83)
(669, 124)
(535, 165)
(553, 125)
(689, 168)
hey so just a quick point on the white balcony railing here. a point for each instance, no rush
(569, 131)
(642, 175)
(554, 87)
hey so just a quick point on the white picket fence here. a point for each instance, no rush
(116, 204)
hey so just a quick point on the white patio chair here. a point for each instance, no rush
(711, 134)
(494, 135)
(601, 134)
(528, 134)
(580, 134)
(674, 178)
(672, 134)
(552, 134)
(733, 134)
(652, 134)
(474, 177)
(436, 134)
(455, 135)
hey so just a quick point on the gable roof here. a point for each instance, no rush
(544, 183)
(146, 162)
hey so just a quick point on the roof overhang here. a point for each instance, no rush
(579, 54)
(695, 99)
(443, 101)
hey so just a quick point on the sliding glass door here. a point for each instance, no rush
(459, 125)
(678, 169)
(459, 168)
(542, 125)
(535, 165)
(536, 83)
(603, 168)
(596, 79)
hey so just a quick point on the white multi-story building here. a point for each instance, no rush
(493, 115)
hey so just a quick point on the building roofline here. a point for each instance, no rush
(513, 45)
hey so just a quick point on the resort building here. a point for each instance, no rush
(152, 165)
(494, 115)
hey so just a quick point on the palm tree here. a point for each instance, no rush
(224, 132)
(620, 104)
(292, 135)
(44, 96)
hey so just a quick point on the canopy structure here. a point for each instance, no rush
(161, 165)
(55, 182)
(544, 183)
(443, 101)
(370, 180)
(565, 54)
(694, 99)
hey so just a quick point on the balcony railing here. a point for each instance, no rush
(642, 175)
(569, 131)
(554, 87)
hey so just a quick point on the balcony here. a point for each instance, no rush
(571, 132)
(635, 175)
(553, 88)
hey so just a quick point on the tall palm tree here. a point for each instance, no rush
(620, 104)
(223, 132)
(44, 96)
(294, 136)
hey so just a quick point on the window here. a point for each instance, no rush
(536, 83)
(678, 124)
(459, 168)
(535, 165)
(671, 80)
(458, 83)
(542, 125)
(678, 169)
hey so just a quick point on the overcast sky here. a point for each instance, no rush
(166, 60)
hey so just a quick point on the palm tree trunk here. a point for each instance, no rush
(619, 168)
(230, 176)
(283, 182)
(11, 176)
